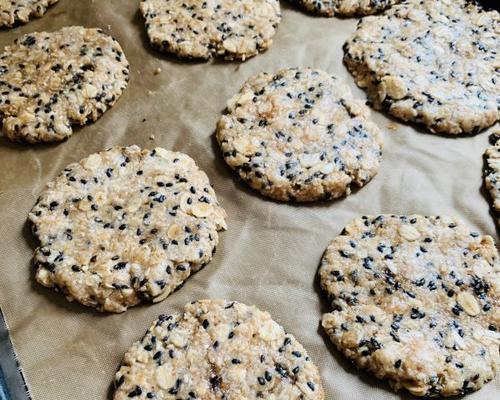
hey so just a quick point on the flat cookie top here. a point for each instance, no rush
(125, 225)
(218, 350)
(431, 62)
(233, 29)
(21, 11)
(299, 135)
(50, 81)
(346, 8)
(416, 300)
(492, 176)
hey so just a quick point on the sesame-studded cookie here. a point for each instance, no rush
(492, 173)
(217, 349)
(347, 8)
(13, 12)
(431, 62)
(50, 81)
(125, 226)
(233, 29)
(299, 135)
(416, 301)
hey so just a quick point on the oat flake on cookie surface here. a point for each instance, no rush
(416, 301)
(218, 350)
(345, 8)
(431, 62)
(299, 135)
(21, 11)
(233, 29)
(492, 173)
(124, 226)
(50, 81)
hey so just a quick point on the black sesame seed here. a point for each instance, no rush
(136, 392)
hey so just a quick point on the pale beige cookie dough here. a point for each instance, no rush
(492, 175)
(299, 135)
(416, 301)
(233, 29)
(125, 226)
(214, 350)
(431, 62)
(50, 81)
(347, 8)
(13, 12)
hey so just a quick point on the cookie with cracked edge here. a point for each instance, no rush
(233, 29)
(346, 8)
(50, 81)
(492, 173)
(299, 135)
(14, 12)
(217, 349)
(432, 63)
(125, 226)
(416, 301)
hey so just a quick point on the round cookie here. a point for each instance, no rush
(233, 29)
(299, 135)
(346, 8)
(13, 12)
(50, 81)
(416, 301)
(431, 62)
(124, 226)
(217, 349)
(492, 173)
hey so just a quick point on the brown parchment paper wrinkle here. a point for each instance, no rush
(270, 254)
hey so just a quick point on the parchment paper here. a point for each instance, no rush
(269, 255)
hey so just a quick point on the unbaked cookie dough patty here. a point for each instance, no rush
(21, 11)
(415, 300)
(50, 81)
(217, 349)
(346, 8)
(125, 225)
(234, 29)
(492, 173)
(431, 62)
(299, 135)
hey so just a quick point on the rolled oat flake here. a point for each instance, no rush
(415, 300)
(125, 226)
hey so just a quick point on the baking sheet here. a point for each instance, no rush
(12, 381)
(270, 253)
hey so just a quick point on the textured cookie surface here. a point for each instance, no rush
(217, 350)
(345, 7)
(125, 225)
(234, 29)
(431, 62)
(299, 135)
(50, 81)
(21, 11)
(415, 300)
(492, 175)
